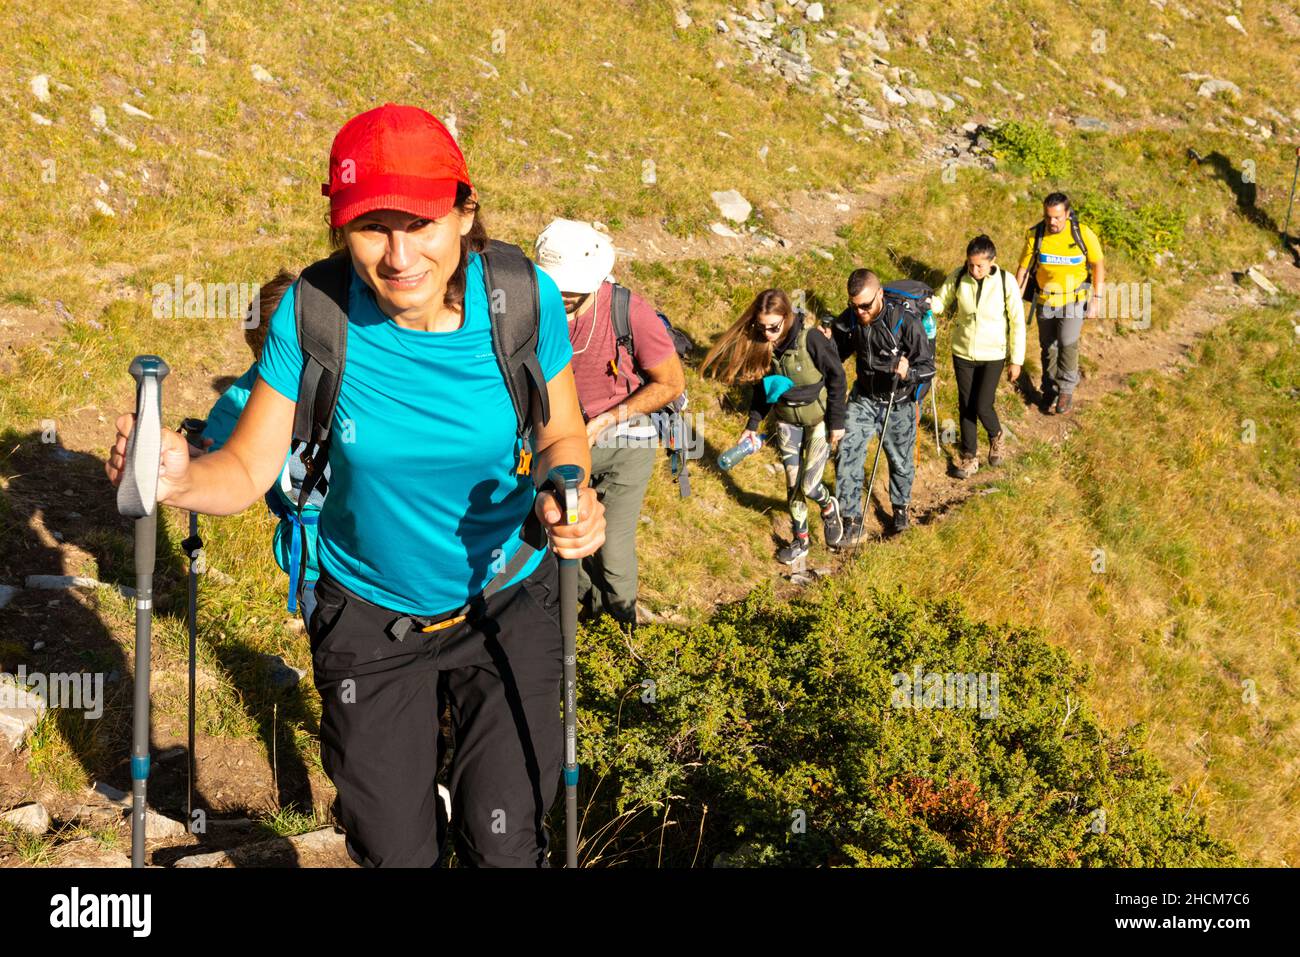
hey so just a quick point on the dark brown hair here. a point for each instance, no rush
(743, 353)
(475, 240)
(265, 302)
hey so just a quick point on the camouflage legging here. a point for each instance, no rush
(803, 452)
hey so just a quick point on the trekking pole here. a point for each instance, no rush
(565, 479)
(934, 410)
(1286, 230)
(871, 483)
(137, 497)
(193, 547)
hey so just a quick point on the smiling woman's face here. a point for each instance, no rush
(406, 260)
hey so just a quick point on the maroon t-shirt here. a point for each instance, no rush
(591, 333)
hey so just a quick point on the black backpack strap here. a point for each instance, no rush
(620, 311)
(515, 312)
(1078, 241)
(321, 316)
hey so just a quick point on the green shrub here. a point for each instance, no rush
(777, 714)
(1032, 147)
(1141, 231)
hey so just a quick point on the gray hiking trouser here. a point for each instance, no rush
(1059, 329)
(803, 452)
(866, 418)
(608, 579)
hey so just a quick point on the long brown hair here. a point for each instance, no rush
(743, 353)
(475, 240)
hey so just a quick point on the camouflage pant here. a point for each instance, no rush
(866, 418)
(803, 453)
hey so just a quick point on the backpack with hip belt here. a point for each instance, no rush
(321, 314)
(674, 434)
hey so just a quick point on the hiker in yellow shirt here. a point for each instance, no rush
(1062, 274)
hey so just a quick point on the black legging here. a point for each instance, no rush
(977, 383)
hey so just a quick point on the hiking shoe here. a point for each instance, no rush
(966, 466)
(1046, 402)
(1064, 403)
(901, 519)
(789, 554)
(998, 449)
(832, 524)
(853, 535)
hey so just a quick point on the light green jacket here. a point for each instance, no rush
(993, 328)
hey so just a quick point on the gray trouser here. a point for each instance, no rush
(804, 453)
(608, 579)
(867, 418)
(1059, 328)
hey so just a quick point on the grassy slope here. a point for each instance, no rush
(667, 100)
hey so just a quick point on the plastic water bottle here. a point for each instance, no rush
(747, 446)
(928, 321)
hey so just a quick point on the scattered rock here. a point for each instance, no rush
(801, 579)
(261, 74)
(1212, 86)
(282, 674)
(1261, 281)
(1114, 87)
(732, 205)
(88, 852)
(40, 120)
(1233, 22)
(40, 87)
(892, 96)
(814, 13)
(973, 83)
(160, 827)
(1160, 38)
(135, 111)
(103, 208)
(282, 851)
(1092, 124)
(32, 818)
(61, 581)
(98, 118)
(721, 229)
(109, 793)
(20, 710)
(7, 593)
(683, 20)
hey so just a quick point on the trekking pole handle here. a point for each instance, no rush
(137, 493)
(566, 479)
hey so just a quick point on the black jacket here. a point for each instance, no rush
(878, 349)
(824, 358)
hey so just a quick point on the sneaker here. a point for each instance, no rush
(901, 519)
(998, 449)
(789, 554)
(1064, 403)
(966, 466)
(832, 524)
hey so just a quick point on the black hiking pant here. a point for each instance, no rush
(380, 738)
(977, 384)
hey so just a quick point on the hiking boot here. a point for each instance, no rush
(832, 524)
(966, 466)
(901, 519)
(1046, 402)
(998, 449)
(853, 535)
(1064, 403)
(797, 549)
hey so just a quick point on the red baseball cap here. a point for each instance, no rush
(393, 157)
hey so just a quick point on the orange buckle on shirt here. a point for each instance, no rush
(613, 366)
(525, 462)
(443, 624)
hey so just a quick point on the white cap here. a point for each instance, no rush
(575, 255)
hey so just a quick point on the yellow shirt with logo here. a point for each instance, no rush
(1062, 266)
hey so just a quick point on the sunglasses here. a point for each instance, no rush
(769, 329)
(864, 307)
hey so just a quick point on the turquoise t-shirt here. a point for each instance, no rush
(424, 504)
